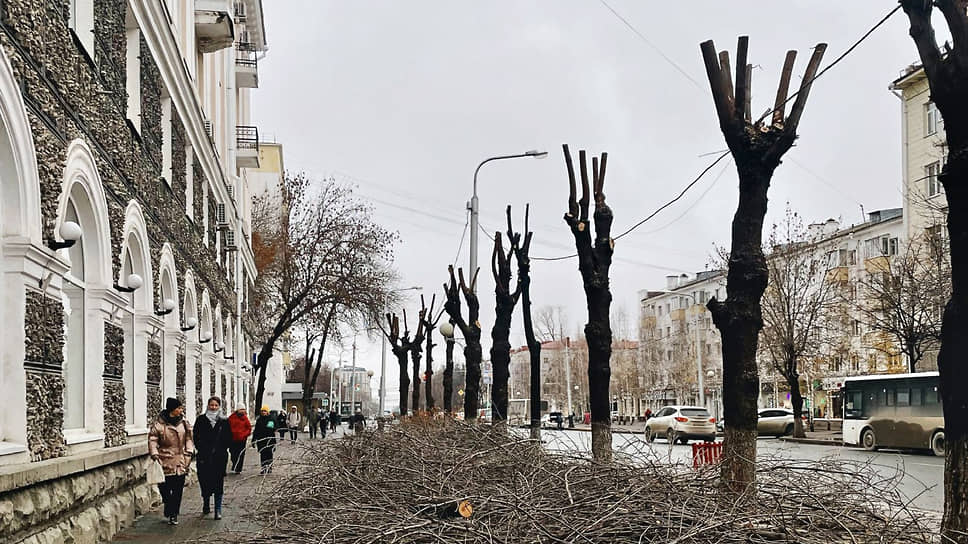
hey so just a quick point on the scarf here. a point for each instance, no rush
(212, 416)
(173, 421)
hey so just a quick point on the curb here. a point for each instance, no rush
(815, 441)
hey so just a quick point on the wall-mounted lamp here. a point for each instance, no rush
(219, 347)
(205, 337)
(69, 231)
(167, 307)
(134, 283)
(190, 324)
(229, 357)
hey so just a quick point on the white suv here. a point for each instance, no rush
(682, 424)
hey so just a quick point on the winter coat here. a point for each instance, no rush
(212, 443)
(312, 418)
(294, 419)
(281, 421)
(264, 433)
(171, 443)
(241, 427)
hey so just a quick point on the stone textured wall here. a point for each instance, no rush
(44, 338)
(225, 390)
(91, 505)
(114, 397)
(153, 400)
(211, 383)
(180, 370)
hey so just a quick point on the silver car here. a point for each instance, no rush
(770, 422)
(681, 424)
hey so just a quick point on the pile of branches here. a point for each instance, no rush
(405, 485)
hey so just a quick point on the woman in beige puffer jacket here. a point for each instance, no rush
(170, 443)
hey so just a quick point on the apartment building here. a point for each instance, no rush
(679, 345)
(125, 138)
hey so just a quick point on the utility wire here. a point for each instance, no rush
(725, 153)
(461, 244)
(652, 45)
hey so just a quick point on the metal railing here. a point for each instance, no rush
(247, 137)
(245, 55)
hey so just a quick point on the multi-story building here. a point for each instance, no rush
(351, 389)
(678, 341)
(923, 153)
(124, 143)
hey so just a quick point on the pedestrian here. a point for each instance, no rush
(281, 425)
(295, 423)
(648, 413)
(213, 437)
(241, 428)
(312, 419)
(264, 438)
(323, 422)
(170, 443)
(357, 422)
(333, 420)
(571, 420)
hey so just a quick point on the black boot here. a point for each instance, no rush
(205, 507)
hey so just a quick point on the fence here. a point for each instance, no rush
(706, 453)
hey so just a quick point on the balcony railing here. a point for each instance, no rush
(245, 54)
(247, 137)
(239, 11)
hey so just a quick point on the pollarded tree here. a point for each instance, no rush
(522, 255)
(757, 149)
(314, 242)
(594, 261)
(470, 329)
(402, 345)
(947, 75)
(505, 301)
(800, 297)
(430, 323)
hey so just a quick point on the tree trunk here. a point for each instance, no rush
(598, 334)
(262, 363)
(796, 399)
(401, 355)
(449, 377)
(472, 387)
(415, 395)
(430, 369)
(501, 356)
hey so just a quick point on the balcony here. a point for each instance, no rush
(246, 66)
(247, 146)
(214, 25)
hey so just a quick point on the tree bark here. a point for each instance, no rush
(948, 80)
(756, 150)
(594, 261)
(471, 331)
(429, 373)
(449, 376)
(309, 383)
(796, 399)
(415, 356)
(505, 301)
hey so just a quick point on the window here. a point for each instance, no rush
(189, 183)
(932, 119)
(855, 328)
(880, 246)
(916, 396)
(660, 310)
(74, 308)
(891, 396)
(931, 182)
(133, 69)
(668, 332)
(903, 397)
(702, 297)
(931, 396)
(81, 21)
(851, 257)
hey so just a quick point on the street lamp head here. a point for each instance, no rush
(536, 154)
(447, 329)
(369, 373)
(710, 373)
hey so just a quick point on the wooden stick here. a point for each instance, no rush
(779, 106)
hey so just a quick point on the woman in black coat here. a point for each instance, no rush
(264, 438)
(212, 437)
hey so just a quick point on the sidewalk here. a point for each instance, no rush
(243, 493)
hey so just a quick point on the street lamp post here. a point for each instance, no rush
(474, 205)
(383, 350)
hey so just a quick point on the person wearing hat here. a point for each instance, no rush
(170, 443)
(264, 438)
(212, 440)
(241, 429)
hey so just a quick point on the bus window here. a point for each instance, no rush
(904, 397)
(854, 407)
(916, 396)
(931, 396)
(890, 397)
(881, 396)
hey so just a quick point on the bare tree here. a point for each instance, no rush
(756, 149)
(313, 246)
(416, 351)
(902, 297)
(522, 255)
(402, 345)
(471, 331)
(550, 323)
(594, 260)
(800, 295)
(505, 301)
(430, 323)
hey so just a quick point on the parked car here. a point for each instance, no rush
(681, 424)
(771, 422)
(553, 420)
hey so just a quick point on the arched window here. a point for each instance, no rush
(75, 362)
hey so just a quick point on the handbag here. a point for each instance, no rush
(155, 473)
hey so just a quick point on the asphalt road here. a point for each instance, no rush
(922, 480)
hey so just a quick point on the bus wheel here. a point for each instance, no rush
(868, 440)
(937, 443)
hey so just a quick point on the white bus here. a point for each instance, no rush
(894, 411)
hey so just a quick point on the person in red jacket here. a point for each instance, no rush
(241, 429)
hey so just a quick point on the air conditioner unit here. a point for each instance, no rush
(230, 241)
(231, 191)
(220, 216)
(208, 128)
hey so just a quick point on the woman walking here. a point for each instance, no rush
(170, 443)
(281, 425)
(212, 440)
(295, 423)
(264, 438)
(241, 429)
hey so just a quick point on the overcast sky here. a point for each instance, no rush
(405, 98)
